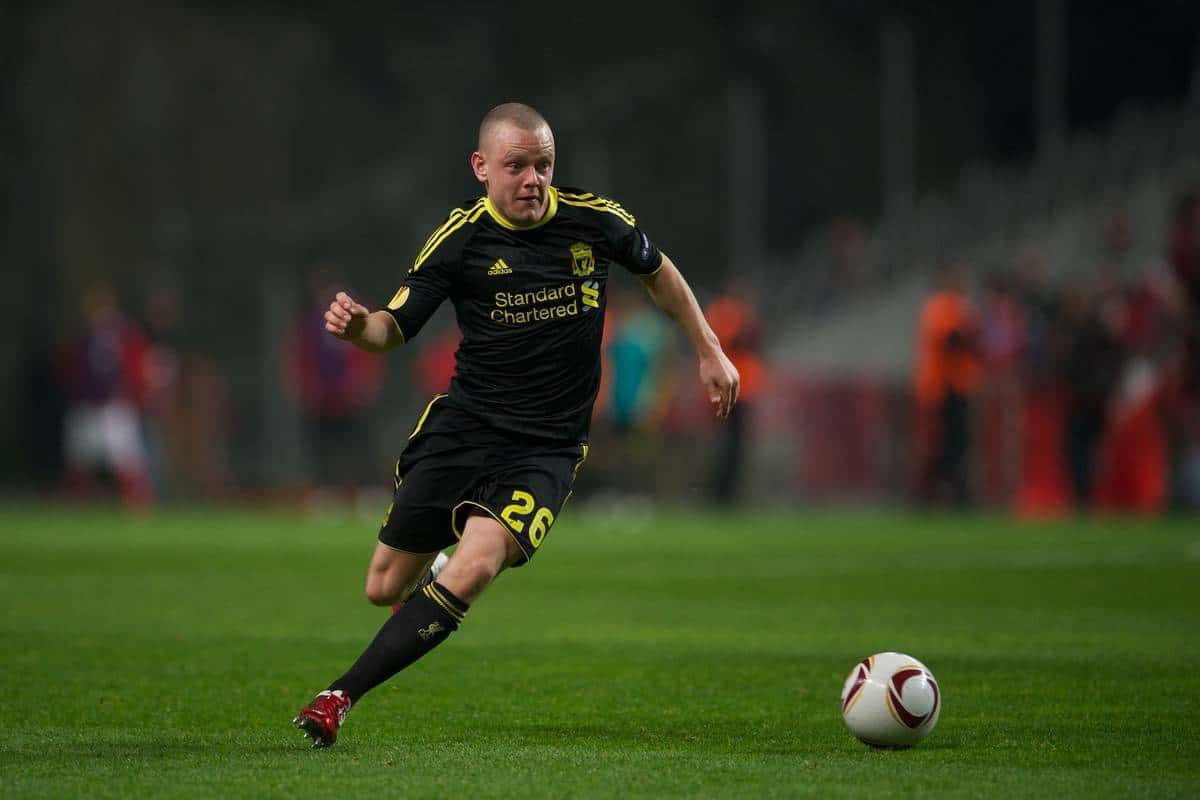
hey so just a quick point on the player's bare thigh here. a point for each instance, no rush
(394, 573)
(483, 552)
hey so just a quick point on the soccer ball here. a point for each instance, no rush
(891, 700)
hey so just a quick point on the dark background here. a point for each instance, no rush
(223, 148)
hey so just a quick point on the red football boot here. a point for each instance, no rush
(321, 719)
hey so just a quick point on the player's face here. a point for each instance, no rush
(517, 167)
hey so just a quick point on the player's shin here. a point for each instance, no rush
(424, 622)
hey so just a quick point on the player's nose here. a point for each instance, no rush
(533, 178)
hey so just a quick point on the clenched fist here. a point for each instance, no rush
(346, 318)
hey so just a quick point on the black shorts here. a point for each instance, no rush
(454, 464)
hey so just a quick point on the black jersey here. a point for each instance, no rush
(530, 303)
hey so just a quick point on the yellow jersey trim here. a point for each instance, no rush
(454, 528)
(551, 210)
(396, 325)
(458, 217)
(582, 458)
(410, 552)
(589, 200)
(421, 421)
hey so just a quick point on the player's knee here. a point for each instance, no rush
(379, 593)
(467, 577)
(377, 598)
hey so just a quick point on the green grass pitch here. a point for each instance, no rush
(673, 656)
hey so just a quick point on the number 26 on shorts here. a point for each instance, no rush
(523, 505)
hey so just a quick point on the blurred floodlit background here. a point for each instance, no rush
(955, 246)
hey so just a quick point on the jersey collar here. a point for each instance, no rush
(551, 210)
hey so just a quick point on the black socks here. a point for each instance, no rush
(424, 622)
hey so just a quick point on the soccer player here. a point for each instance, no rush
(490, 463)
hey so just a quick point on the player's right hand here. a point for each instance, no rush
(346, 318)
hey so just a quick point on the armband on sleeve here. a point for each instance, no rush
(637, 253)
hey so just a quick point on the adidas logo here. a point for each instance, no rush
(500, 268)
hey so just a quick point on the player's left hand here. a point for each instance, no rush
(721, 381)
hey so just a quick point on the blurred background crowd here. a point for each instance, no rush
(954, 250)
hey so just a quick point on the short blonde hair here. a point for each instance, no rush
(520, 115)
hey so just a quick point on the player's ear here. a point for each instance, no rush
(479, 166)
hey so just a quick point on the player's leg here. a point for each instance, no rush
(424, 621)
(437, 466)
(485, 549)
(430, 616)
(414, 531)
(394, 574)
(527, 496)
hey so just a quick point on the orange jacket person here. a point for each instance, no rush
(947, 374)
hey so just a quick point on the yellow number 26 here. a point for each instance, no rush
(523, 503)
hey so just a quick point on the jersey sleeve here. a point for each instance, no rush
(631, 247)
(426, 285)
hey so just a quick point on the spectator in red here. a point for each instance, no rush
(947, 376)
(334, 383)
(105, 376)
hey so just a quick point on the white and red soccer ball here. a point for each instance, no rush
(891, 700)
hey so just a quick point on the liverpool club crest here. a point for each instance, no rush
(582, 260)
